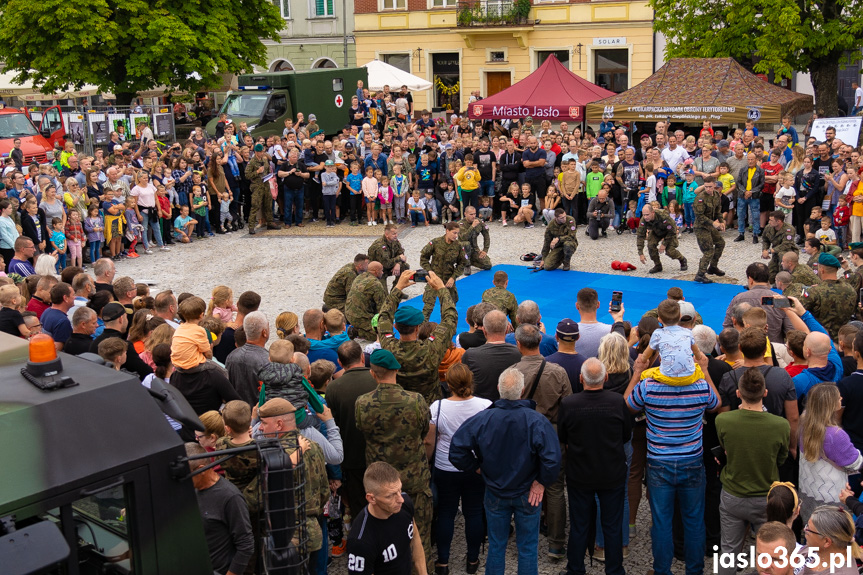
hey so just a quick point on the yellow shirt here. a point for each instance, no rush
(727, 180)
(749, 179)
(468, 178)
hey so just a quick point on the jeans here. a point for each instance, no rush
(203, 224)
(611, 518)
(486, 188)
(683, 480)
(356, 207)
(498, 514)
(619, 213)
(470, 197)
(689, 213)
(754, 207)
(417, 218)
(95, 251)
(61, 262)
(293, 206)
(469, 488)
(152, 223)
(600, 539)
(330, 209)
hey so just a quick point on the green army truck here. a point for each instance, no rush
(264, 101)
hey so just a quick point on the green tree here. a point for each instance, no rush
(779, 36)
(128, 46)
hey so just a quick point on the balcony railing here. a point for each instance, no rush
(484, 13)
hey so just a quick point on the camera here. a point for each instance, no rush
(421, 276)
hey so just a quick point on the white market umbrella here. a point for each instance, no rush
(381, 73)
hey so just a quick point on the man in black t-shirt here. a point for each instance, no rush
(486, 163)
(292, 175)
(384, 538)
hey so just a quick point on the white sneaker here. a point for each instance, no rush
(148, 251)
(391, 222)
(164, 249)
(370, 223)
(375, 222)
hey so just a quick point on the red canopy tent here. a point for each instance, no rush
(551, 92)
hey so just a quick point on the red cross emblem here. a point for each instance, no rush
(339, 100)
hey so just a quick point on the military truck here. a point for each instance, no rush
(94, 480)
(264, 101)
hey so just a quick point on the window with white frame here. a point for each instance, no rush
(392, 4)
(322, 8)
(284, 8)
(400, 61)
(443, 3)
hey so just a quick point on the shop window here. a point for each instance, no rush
(611, 69)
(445, 76)
(562, 57)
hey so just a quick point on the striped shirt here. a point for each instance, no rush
(674, 416)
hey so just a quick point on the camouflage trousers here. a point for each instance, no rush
(423, 513)
(670, 243)
(472, 253)
(261, 200)
(388, 273)
(560, 254)
(429, 299)
(711, 244)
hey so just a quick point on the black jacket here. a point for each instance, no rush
(28, 227)
(510, 165)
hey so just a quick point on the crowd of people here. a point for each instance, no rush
(755, 428)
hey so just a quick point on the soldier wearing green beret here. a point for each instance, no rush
(832, 302)
(278, 420)
(419, 359)
(395, 422)
(257, 168)
(777, 240)
(444, 256)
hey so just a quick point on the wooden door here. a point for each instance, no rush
(496, 81)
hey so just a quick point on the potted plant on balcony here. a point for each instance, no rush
(520, 11)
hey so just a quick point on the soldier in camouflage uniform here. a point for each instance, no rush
(709, 226)
(501, 298)
(445, 257)
(801, 275)
(470, 228)
(394, 423)
(833, 301)
(257, 168)
(364, 301)
(777, 239)
(419, 359)
(278, 420)
(388, 250)
(339, 286)
(560, 241)
(662, 229)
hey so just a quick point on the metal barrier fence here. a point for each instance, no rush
(90, 127)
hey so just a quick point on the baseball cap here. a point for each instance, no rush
(118, 148)
(349, 145)
(687, 311)
(723, 143)
(312, 117)
(567, 329)
(113, 311)
(645, 136)
(329, 163)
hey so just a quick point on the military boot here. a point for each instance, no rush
(715, 271)
(655, 269)
(702, 279)
(683, 266)
(566, 265)
(467, 270)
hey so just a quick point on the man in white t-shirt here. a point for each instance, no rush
(674, 154)
(858, 99)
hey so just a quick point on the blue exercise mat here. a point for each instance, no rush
(555, 293)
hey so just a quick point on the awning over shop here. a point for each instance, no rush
(698, 89)
(382, 74)
(551, 92)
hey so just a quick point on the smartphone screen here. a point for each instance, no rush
(616, 299)
(767, 300)
(781, 302)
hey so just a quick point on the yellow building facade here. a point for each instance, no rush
(610, 43)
